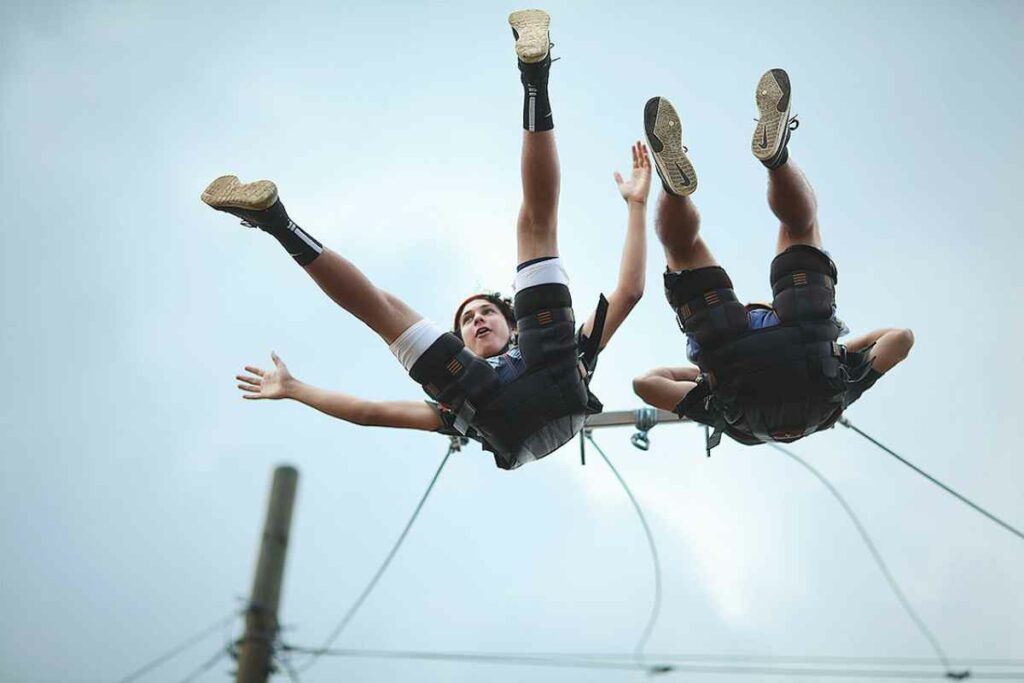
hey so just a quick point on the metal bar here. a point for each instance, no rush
(628, 418)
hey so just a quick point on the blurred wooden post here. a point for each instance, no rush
(254, 657)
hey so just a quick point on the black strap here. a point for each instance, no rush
(802, 278)
(712, 439)
(590, 345)
(707, 300)
(464, 417)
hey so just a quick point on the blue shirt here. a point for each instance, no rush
(509, 366)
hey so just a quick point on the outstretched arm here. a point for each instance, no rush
(630, 286)
(892, 345)
(665, 387)
(277, 383)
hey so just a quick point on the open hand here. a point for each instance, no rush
(638, 186)
(273, 383)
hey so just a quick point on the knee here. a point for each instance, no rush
(904, 341)
(641, 387)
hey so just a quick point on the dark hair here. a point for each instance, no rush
(504, 305)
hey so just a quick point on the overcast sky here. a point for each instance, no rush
(133, 478)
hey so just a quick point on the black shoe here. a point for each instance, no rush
(775, 125)
(257, 204)
(665, 137)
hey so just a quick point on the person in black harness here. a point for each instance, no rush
(513, 375)
(764, 373)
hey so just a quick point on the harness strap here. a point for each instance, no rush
(590, 346)
(712, 439)
(464, 417)
(710, 299)
(546, 316)
(802, 278)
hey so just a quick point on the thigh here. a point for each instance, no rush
(535, 238)
(788, 238)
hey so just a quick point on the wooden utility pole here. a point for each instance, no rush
(256, 646)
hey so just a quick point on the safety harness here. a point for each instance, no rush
(534, 414)
(776, 383)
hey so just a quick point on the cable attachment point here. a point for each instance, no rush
(641, 440)
(958, 675)
(660, 669)
(645, 419)
(584, 435)
(457, 441)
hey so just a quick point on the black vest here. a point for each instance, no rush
(776, 383)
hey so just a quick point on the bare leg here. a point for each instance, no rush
(384, 313)
(678, 228)
(792, 200)
(665, 387)
(892, 345)
(536, 231)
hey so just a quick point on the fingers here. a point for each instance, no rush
(253, 385)
(636, 155)
(645, 159)
(618, 178)
(254, 370)
(274, 357)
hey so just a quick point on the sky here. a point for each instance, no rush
(133, 478)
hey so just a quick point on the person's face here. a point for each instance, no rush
(484, 329)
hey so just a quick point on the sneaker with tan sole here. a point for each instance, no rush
(665, 137)
(256, 203)
(774, 126)
(531, 28)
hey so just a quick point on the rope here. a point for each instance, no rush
(656, 606)
(925, 631)
(179, 648)
(587, 663)
(846, 423)
(206, 666)
(383, 567)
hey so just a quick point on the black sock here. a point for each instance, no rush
(536, 105)
(299, 244)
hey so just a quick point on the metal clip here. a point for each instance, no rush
(645, 419)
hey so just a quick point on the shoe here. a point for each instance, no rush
(257, 204)
(665, 137)
(531, 30)
(774, 125)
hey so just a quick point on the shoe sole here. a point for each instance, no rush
(665, 138)
(530, 27)
(773, 99)
(227, 192)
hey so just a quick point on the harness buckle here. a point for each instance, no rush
(582, 368)
(464, 417)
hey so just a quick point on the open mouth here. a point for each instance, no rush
(482, 331)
